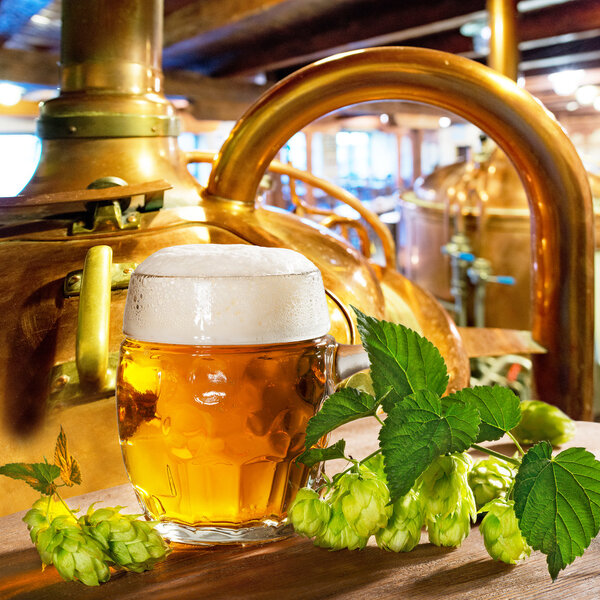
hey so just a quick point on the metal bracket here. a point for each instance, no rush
(107, 217)
(66, 389)
(119, 278)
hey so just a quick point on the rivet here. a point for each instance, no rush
(154, 128)
(131, 218)
(127, 270)
(61, 381)
(75, 279)
(72, 129)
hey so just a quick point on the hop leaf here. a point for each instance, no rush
(316, 455)
(345, 405)
(557, 502)
(402, 361)
(499, 409)
(130, 543)
(308, 513)
(490, 478)
(541, 421)
(70, 472)
(40, 476)
(501, 534)
(419, 430)
(403, 530)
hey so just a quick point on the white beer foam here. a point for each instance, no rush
(219, 294)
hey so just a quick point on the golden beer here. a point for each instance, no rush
(225, 359)
(209, 434)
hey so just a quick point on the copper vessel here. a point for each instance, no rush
(112, 129)
(482, 201)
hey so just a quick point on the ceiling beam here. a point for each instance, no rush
(302, 30)
(25, 66)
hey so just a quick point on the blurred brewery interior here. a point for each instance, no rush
(453, 204)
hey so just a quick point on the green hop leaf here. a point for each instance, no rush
(308, 513)
(345, 405)
(498, 407)
(490, 478)
(402, 361)
(40, 476)
(316, 455)
(444, 485)
(452, 529)
(541, 421)
(130, 543)
(419, 430)
(501, 534)
(403, 530)
(557, 502)
(364, 500)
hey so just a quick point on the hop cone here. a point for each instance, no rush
(130, 543)
(76, 555)
(541, 421)
(444, 485)
(308, 513)
(42, 513)
(338, 534)
(501, 534)
(490, 478)
(450, 530)
(363, 499)
(403, 530)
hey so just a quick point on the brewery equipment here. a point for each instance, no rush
(111, 175)
(47, 235)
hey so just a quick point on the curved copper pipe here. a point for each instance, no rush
(276, 166)
(551, 171)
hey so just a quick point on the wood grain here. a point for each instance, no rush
(295, 569)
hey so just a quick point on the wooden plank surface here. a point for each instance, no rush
(295, 569)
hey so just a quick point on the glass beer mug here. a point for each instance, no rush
(225, 359)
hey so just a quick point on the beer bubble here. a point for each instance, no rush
(218, 294)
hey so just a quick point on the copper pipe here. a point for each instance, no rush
(504, 48)
(551, 171)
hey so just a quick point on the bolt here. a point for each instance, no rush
(60, 382)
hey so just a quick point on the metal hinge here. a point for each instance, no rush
(120, 274)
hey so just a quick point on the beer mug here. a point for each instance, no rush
(225, 359)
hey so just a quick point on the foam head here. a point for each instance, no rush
(218, 294)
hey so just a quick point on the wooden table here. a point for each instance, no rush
(295, 569)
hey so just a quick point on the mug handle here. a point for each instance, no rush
(349, 359)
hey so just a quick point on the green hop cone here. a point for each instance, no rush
(338, 534)
(75, 554)
(450, 530)
(308, 513)
(490, 478)
(501, 534)
(364, 500)
(131, 544)
(444, 485)
(42, 513)
(541, 421)
(403, 530)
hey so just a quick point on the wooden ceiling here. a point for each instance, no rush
(216, 50)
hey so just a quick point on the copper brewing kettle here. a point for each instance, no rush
(112, 130)
(39, 315)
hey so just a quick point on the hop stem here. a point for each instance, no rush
(508, 459)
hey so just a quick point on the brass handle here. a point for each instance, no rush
(94, 319)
